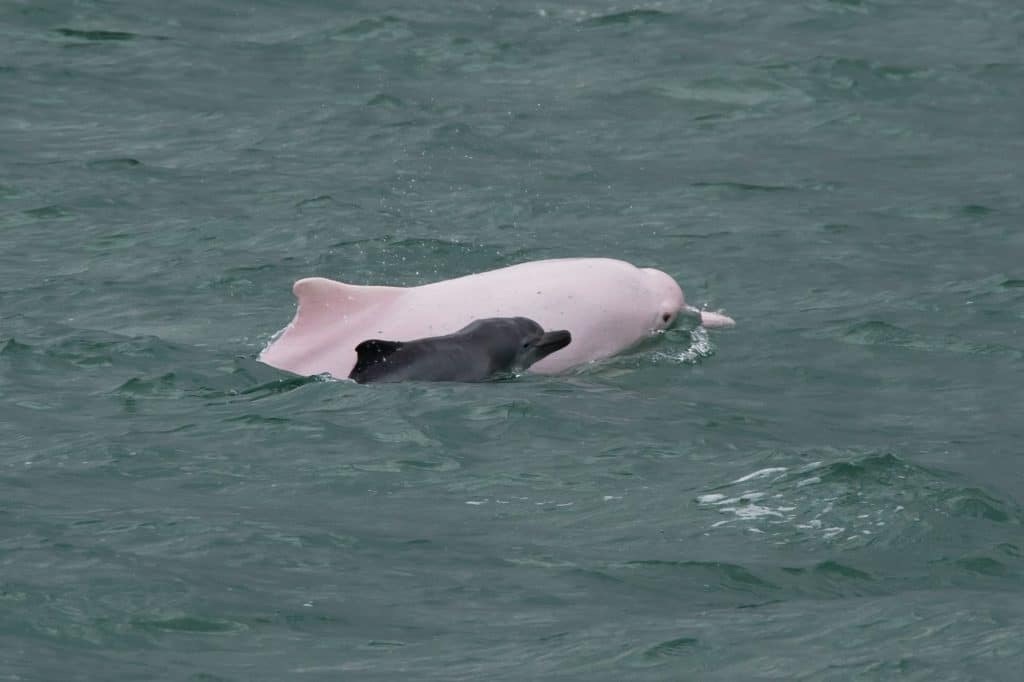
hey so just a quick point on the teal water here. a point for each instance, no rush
(832, 490)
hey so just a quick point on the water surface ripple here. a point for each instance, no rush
(833, 490)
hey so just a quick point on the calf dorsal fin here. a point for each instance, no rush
(372, 353)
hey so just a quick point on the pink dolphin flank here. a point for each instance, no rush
(607, 305)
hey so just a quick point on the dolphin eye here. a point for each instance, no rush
(665, 317)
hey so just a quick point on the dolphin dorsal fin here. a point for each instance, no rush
(321, 298)
(326, 309)
(372, 352)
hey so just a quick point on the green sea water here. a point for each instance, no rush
(830, 491)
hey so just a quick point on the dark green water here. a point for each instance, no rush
(833, 490)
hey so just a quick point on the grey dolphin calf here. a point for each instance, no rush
(479, 351)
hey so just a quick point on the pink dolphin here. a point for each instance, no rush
(607, 305)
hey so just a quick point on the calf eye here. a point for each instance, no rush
(666, 317)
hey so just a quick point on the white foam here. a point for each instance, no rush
(752, 511)
(787, 503)
(761, 473)
(700, 347)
